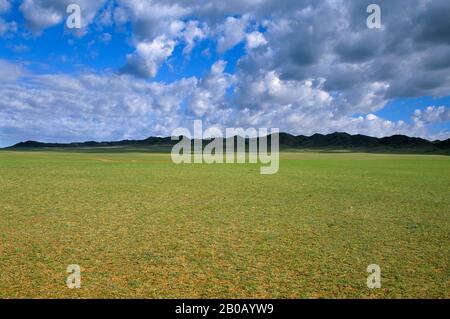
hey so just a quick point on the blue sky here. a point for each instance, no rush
(139, 68)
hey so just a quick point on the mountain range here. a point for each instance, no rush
(330, 142)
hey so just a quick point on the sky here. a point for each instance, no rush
(140, 68)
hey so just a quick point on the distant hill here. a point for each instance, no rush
(330, 142)
(347, 141)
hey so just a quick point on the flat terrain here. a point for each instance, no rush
(141, 226)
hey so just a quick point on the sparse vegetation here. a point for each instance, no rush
(141, 226)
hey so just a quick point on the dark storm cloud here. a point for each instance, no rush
(439, 59)
(433, 24)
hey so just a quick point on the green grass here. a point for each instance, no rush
(140, 226)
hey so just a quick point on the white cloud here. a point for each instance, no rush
(267, 90)
(432, 114)
(232, 32)
(112, 107)
(150, 54)
(255, 40)
(193, 32)
(209, 96)
(89, 106)
(148, 57)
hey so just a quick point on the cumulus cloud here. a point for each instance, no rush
(148, 57)
(232, 32)
(255, 40)
(192, 33)
(330, 40)
(150, 54)
(267, 90)
(432, 114)
(209, 96)
(89, 106)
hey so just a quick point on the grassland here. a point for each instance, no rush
(140, 226)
